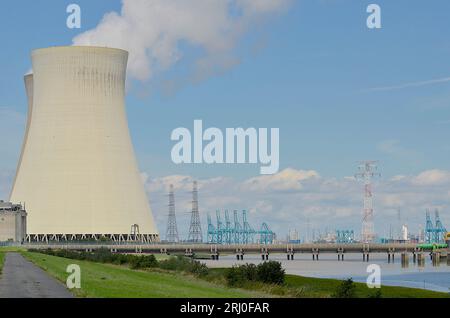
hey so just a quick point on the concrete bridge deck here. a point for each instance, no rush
(231, 249)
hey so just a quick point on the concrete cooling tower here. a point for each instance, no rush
(77, 173)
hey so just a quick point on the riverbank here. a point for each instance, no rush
(2, 261)
(435, 278)
(107, 280)
(114, 281)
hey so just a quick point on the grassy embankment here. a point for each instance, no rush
(106, 280)
(2, 259)
(307, 287)
(320, 287)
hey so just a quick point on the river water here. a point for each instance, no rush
(428, 277)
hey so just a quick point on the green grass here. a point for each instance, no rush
(2, 260)
(11, 249)
(318, 287)
(4, 250)
(307, 287)
(106, 281)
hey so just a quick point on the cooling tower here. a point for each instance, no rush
(77, 173)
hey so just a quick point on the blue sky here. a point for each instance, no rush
(310, 70)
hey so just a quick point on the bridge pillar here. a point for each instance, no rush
(189, 253)
(416, 250)
(264, 253)
(391, 255)
(421, 259)
(340, 254)
(366, 256)
(365, 251)
(405, 259)
(436, 257)
(290, 253)
(315, 254)
(214, 253)
(239, 254)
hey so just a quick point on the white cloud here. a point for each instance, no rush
(432, 178)
(394, 148)
(288, 179)
(156, 32)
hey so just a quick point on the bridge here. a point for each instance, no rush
(215, 250)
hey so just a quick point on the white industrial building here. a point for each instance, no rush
(77, 172)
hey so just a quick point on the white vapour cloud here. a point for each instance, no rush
(155, 32)
(291, 197)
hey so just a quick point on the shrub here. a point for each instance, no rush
(179, 263)
(271, 273)
(346, 289)
(184, 264)
(267, 272)
(198, 269)
(233, 276)
(138, 262)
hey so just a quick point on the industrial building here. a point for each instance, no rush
(77, 171)
(13, 222)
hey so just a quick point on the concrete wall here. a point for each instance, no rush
(12, 226)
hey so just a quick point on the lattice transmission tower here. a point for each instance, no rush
(172, 229)
(195, 229)
(367, 171)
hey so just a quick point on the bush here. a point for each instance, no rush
(346, 289)
(105, 256)
(148, 261)
(179, 263)
(233, 276)
(198, 269)
(271, 273)
(183, 264)
(267, 272)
